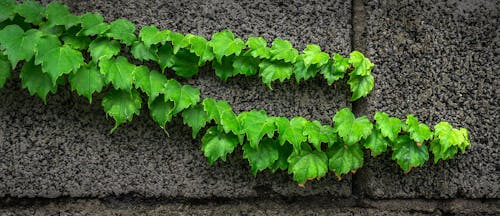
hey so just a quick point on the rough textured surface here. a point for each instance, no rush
(306, 206)
(64, 148)
(439, 61)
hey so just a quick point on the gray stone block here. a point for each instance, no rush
(440, 62)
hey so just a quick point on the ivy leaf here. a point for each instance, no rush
(246, 65)
(36, 81)
(262, 156)
(224, 44)
(161, 110)
(196, 118)
(122, 30)
(58, 14)
(362, 66)
(166, 57)
(225, 69)
(388, 126)
(350, 128)
(408, 154)
(93, 24)
(33, 12)
(418, 132)
(5, 70)
(303, 72)
(103, 49)
(307, 165)
(284, 152)
(377, 143)
(360, 85)
(258, 48)
(179, 41)
(333, 71)
(223, 115)
(61, 60)
(256, 124)
(440, 153)
(345, 158)
(449, 136)
(200, 47)
(18, 45)
(317, 134)
(74, 41)
(271, 71)
(151, 82)
(86, 80)
(7, 9)
(150, 35)
(183, 96)
(215, 144)
(291, 131)
(283, 50)
(122, 105)
(184, 64)
(144, 53)
(313, 55)
(119, 72)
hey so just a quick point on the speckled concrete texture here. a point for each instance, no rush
(64, 148)
(439, 61)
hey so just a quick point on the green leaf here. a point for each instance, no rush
(86, 80)
(119, 72)
(58, 14)
(215, 144)
(224, 44)
(307, 165)
(93, 24)
(246, 65)
(262, 156)
(196, 118)
(185, 64)
(222, 113)
(61, 60)
(360, 85)
(377, 143)
(271, 71)
(7, 9)
(291, 131)
(5, 70)
(440, 153)
(74, 41)
(200, 47)
(317, 134)
(258, 48)
(408, 154)
(333, 71)
(225, 69)
(103, 49)
(122, 30)
(350, 128)
(144, 53)
(362, 66)
(122, 105)
(283, 50)
(45, 44)
(449, 136)
(166, 57)
(303, 72)
(178, 41)
(418, 132)
(161, 110)
(36, 81)
(345, 158)
(18, 45)
(389, 126)
(150, 35)
(151, 82)
(313, 55)
(32, 11)
(284, 152)
(256, 124)
(183, 96)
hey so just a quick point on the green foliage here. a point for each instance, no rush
(54, 45)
